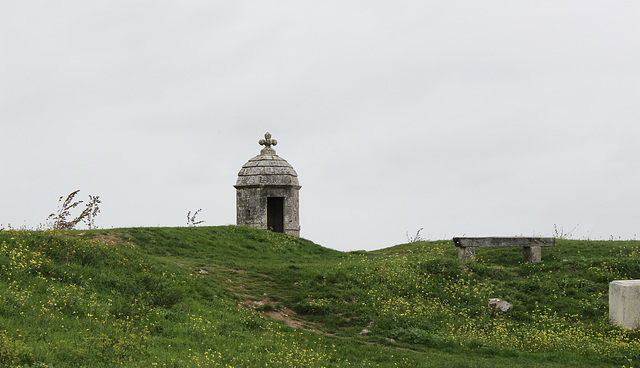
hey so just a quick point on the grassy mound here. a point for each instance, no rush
(238, 296)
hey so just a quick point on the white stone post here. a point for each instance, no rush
(624, 303)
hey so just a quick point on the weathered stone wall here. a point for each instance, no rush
(251, 207)
(291, 215)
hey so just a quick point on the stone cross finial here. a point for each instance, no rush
(267, 142)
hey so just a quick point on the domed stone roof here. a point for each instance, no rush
(267, 169)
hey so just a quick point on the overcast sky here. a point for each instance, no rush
(465, 117)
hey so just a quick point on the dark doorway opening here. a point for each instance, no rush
(275, 214)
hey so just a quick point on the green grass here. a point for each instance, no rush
(228, 296)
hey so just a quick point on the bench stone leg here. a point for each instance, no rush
(466, 254)
(532, 254)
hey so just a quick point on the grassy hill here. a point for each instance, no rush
(240, 297)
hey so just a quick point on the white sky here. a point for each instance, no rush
(461, 117)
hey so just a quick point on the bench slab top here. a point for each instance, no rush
(504, 242)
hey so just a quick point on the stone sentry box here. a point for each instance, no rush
(267, 192)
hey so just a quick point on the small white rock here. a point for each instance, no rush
(499, 305)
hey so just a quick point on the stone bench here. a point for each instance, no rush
(531, 247)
